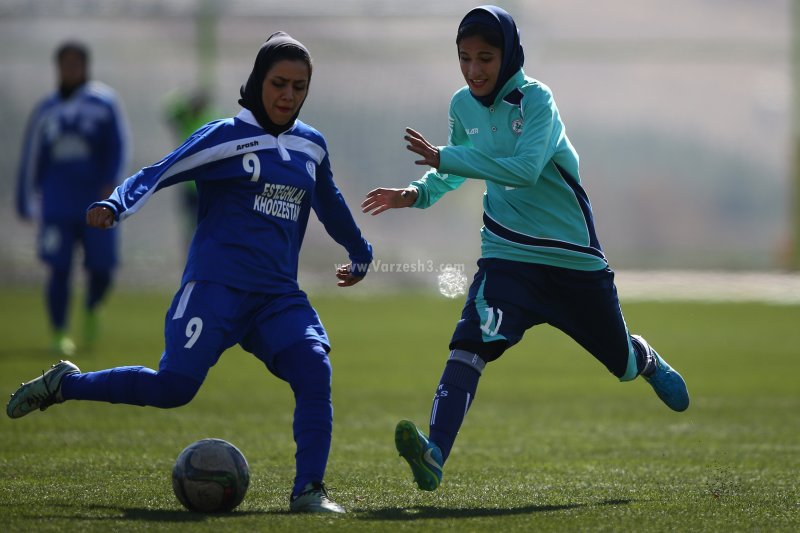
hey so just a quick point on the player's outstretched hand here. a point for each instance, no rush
(346, 277)
(100, 217)
(379, 200)
(418, 145)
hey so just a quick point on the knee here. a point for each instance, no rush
(488, 351)
(59, 275)
(177, 389)
(307, 369)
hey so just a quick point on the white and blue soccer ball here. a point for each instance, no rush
(210, 476)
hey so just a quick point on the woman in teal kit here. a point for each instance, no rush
(541, 261)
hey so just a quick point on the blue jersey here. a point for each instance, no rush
(255, 192)
(75, 150)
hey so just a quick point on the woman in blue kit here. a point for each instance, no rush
(541, 261)
(258, 175)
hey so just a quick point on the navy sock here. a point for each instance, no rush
(642, 358)
(58, 297)
(452, 400)
(132, 385)
(307, 369)
(99, 283)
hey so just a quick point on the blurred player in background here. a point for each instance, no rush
(259, 175)
(185, 114)
(541, 261)
(75, 152)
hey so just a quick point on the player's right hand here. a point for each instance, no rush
(100, 217)
(379, 200)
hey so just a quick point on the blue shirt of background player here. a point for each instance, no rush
(75, 150)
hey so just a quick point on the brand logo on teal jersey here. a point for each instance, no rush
(516, 126)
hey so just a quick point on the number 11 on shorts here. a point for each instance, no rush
(487, 326)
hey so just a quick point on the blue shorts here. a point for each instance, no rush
(57, 240)
(507, 298)
(207, 318)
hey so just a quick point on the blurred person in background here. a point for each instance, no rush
(541, 261)
(187, 112)
(75, 152)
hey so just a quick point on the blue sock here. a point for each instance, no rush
(58, 297)
(453, 398)
(132, 385)
(307, 369)
(99, 283)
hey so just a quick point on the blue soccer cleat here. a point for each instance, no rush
(40, 393)
(665, 380)
(423, 456)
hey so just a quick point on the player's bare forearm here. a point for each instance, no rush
(100, 217)
(379, 200)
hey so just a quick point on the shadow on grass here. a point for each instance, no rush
(113, 513)
(428, 511)
(171, 515)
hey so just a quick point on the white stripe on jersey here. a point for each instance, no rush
(184, 301)
(224, 151)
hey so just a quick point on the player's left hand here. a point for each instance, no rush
(418, 145)
(346, 277)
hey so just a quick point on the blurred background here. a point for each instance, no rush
(681, 112)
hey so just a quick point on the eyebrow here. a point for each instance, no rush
(281, 78)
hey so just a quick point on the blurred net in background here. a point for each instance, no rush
(680, 112)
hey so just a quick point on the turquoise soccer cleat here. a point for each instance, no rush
(40, 393)
(665, 380)
(422, 455)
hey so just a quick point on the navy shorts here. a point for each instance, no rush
(507, 298)
(207, 318)
(57, 241)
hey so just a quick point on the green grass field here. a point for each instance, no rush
(552, 442)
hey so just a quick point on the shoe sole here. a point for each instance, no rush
(318, 509)
(406, 441)
(17, 410)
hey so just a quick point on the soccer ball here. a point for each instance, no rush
(210, 476)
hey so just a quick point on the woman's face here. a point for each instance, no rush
(284, 90)
(480, 64)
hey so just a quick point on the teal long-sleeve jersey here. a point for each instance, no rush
(535, 209)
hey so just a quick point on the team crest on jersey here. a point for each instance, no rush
(312, 169)
(516, 126)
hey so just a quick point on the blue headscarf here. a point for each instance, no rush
(513, 56)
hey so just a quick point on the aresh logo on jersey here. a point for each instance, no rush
(472, 131)
(246, 145)
(282, 201)
(516, 126)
